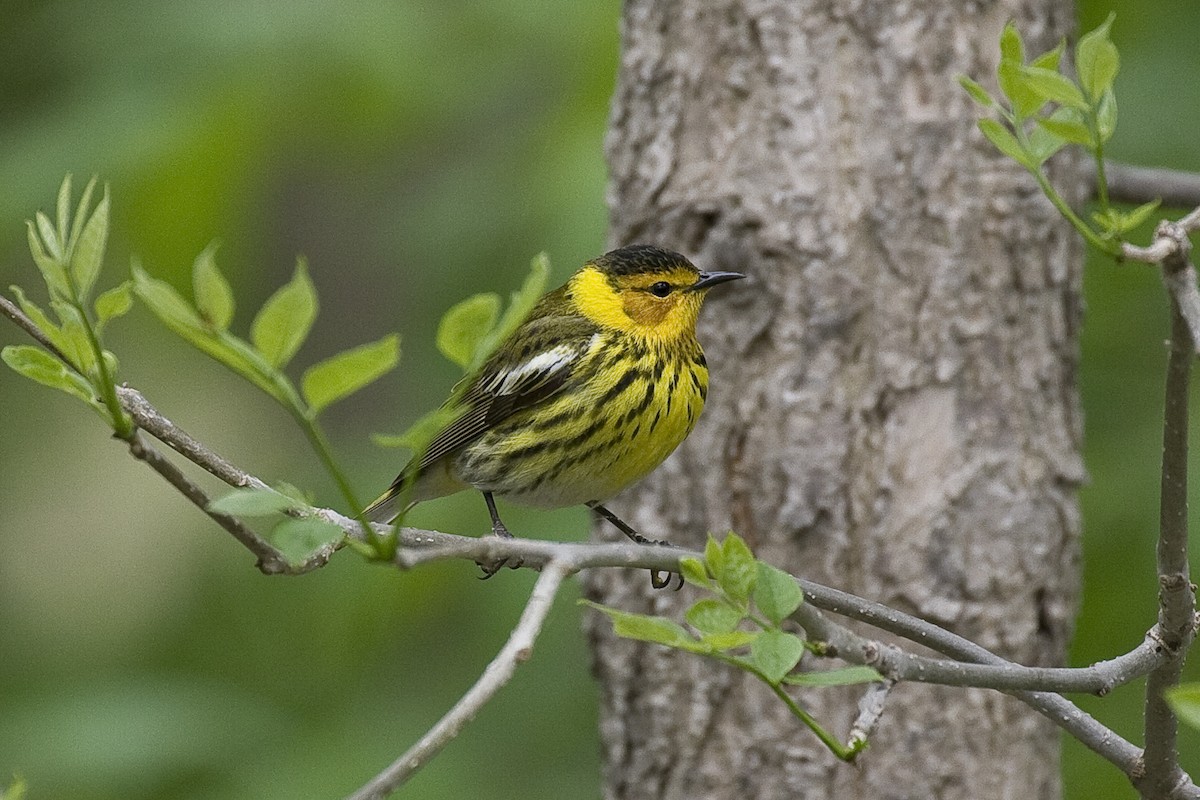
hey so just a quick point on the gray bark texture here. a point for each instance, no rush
(893, 406)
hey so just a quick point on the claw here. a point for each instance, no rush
(661, 579)
(656, 575)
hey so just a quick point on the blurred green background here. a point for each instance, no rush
(415, 152)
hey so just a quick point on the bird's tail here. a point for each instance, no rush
(413, 485)
(387, 506)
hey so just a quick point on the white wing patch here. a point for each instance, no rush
(534, 370)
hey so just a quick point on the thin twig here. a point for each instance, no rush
(516, 650)
(1095, 736)
(973, 665)
(1176, 598)
(270, 560)
(148, 418)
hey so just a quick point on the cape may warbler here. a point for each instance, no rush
(588, 395)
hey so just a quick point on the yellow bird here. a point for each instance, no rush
(590, 393)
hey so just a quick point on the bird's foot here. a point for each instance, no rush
(490, 568)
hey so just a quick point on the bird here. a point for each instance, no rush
(594, 389)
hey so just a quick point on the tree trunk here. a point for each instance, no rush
(893, 405)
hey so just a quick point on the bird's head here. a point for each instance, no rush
(645, 290)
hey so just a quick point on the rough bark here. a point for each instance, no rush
(893, 407)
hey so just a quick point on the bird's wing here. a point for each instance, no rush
(528, 369)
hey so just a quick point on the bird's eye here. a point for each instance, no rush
(660, 289)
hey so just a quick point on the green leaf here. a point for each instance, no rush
(1068, 124)
(87, 256)
(174, 312)
(1005, 142)
(1140, 214)
(420, 433)
(298, 539)
(1043, 144)
(347, 372)
(775, 653)
(167, 304)
(776, 594)
(732, 640)
(465, 325)
(63, 210)
(1011, 46)
(41, 320)
(49, 237)
(1106, 116)
(252, 503)
(1117, 223)
(1050, 58)
(844, 676)
(978, 93)
(110, 362)
(81, 217)
(1011, 77)
(1054, 86)
(52, 270)
(1184, 700)
(113, 303)
(283, 323)
(713, 557)
(693, 572)
(519, 306)
(713, 616)
(38, 365)
(301, 497)
(75, 335)
(214, 298)
(1097, 60)
(739, 570)
(645, 628)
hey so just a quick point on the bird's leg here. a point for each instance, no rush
(498, 529)
(657, 579)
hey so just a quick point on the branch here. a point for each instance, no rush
(1136, 185)
(973, 665)
(987, 671)
(516, 650)
(148, 418)
(1176, 596)
(270, 560)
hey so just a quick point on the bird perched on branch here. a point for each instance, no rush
(590, 393)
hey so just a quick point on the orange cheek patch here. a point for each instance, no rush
(646, 309)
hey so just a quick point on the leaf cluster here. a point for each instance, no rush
(69, 253)
(1042, 110)
(741, 621)
(277, 332)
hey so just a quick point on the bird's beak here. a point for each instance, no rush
(708, 279)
